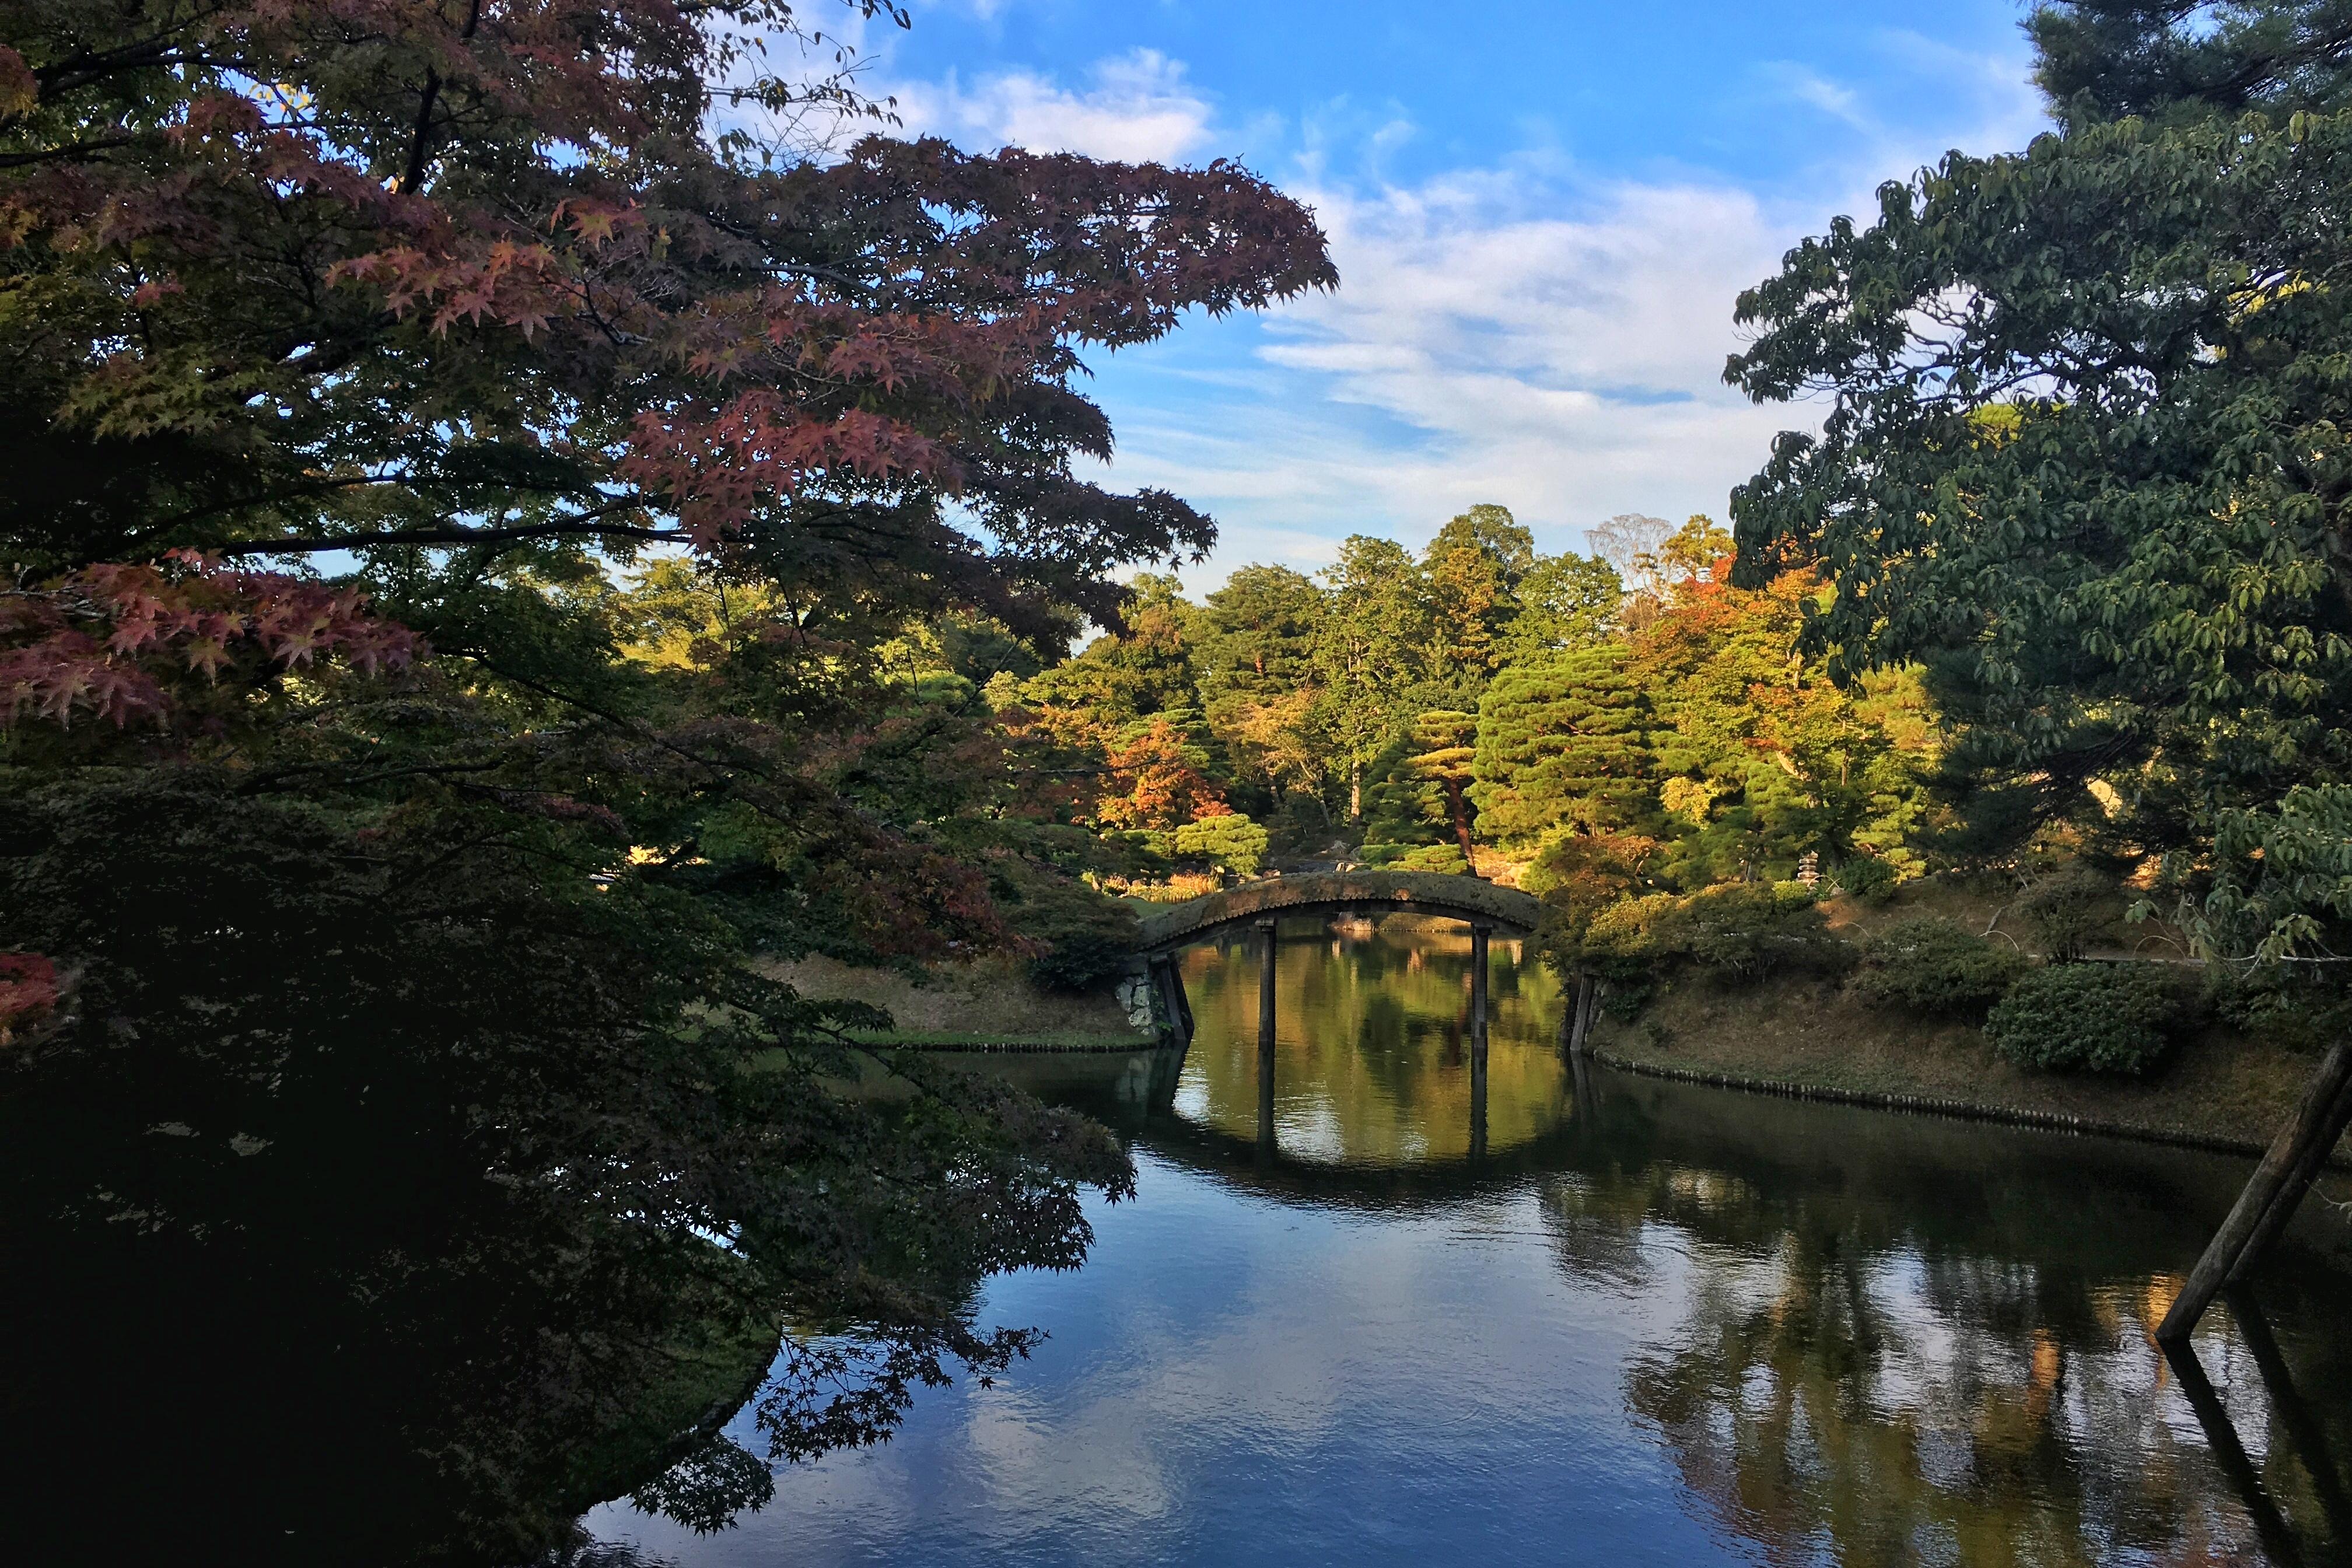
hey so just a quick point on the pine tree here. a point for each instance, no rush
(1441, 754)
(1254, 664)
(1561, 745)
(1473, 568)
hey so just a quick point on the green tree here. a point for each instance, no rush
(1142, 667)
(2084, 443)
(1561, 744)
(1692, 551)
(1473, 569)
(2106, 59)
(1759, 756)
(1256, 668)
(1371, 654)
(1566, 602)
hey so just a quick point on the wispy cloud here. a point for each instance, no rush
(1136, 107)
(1510, 335)
(1521, 330)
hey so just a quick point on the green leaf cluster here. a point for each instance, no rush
(1936, 967)
(2086, 1017)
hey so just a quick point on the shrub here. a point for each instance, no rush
(2086, 1017)
(1930, 964)
(2067, 910)
(2293, 1005)
(1868, 879)
(1229, 841)
(1444, 857)
(1737, 929)
(1085, 935)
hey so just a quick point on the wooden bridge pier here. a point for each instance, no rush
(1481, 935)
(1265, 945)
(1266, 929)
(1167, 985)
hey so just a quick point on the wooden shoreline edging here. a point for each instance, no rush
(1143, 1043)
(1955, 1110)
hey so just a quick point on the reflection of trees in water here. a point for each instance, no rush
(338, 1360)
(1373, 1050)
(1837, 1390)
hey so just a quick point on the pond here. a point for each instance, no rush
(1587, 1318)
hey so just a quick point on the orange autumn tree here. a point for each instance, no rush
(1158, 780)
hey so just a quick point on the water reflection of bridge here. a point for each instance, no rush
(1863, 1229)
(1841, 1246)
(1484, 907)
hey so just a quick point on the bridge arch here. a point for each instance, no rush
(1466, 899)
(1483, 905)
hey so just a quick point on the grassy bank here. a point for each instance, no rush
(1805, 1030)
(988, 1002)
(2214, 1085)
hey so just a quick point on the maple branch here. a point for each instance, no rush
(71, 149)
(570, 528)
(266, 782)
(408, 182)
(727, 771)
(419, 145)
(156, 49)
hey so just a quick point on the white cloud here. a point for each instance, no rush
(1497, 336)
(1525, 335)
(1137, 107)
(1519, 331)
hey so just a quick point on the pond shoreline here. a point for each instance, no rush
(1940, 1105)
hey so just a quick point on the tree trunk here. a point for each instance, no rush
(1356, 790)
(1461, 819)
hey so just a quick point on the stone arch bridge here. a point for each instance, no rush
(1484, 907)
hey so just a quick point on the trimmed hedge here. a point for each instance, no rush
(1868, 879)
(2086, 1017)
(1083, 936)
(1736, 929)
(1938, 966)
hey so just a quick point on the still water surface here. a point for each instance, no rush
(1626, 1321)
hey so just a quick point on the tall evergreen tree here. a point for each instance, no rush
(1561, 745)
(1142, 668)
(1256, 667)
(1473, 569)
(1373, 651)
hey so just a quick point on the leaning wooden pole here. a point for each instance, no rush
(2269, 1200)
(2307, 1166)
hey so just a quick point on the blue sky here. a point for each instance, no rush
(1541, 214)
